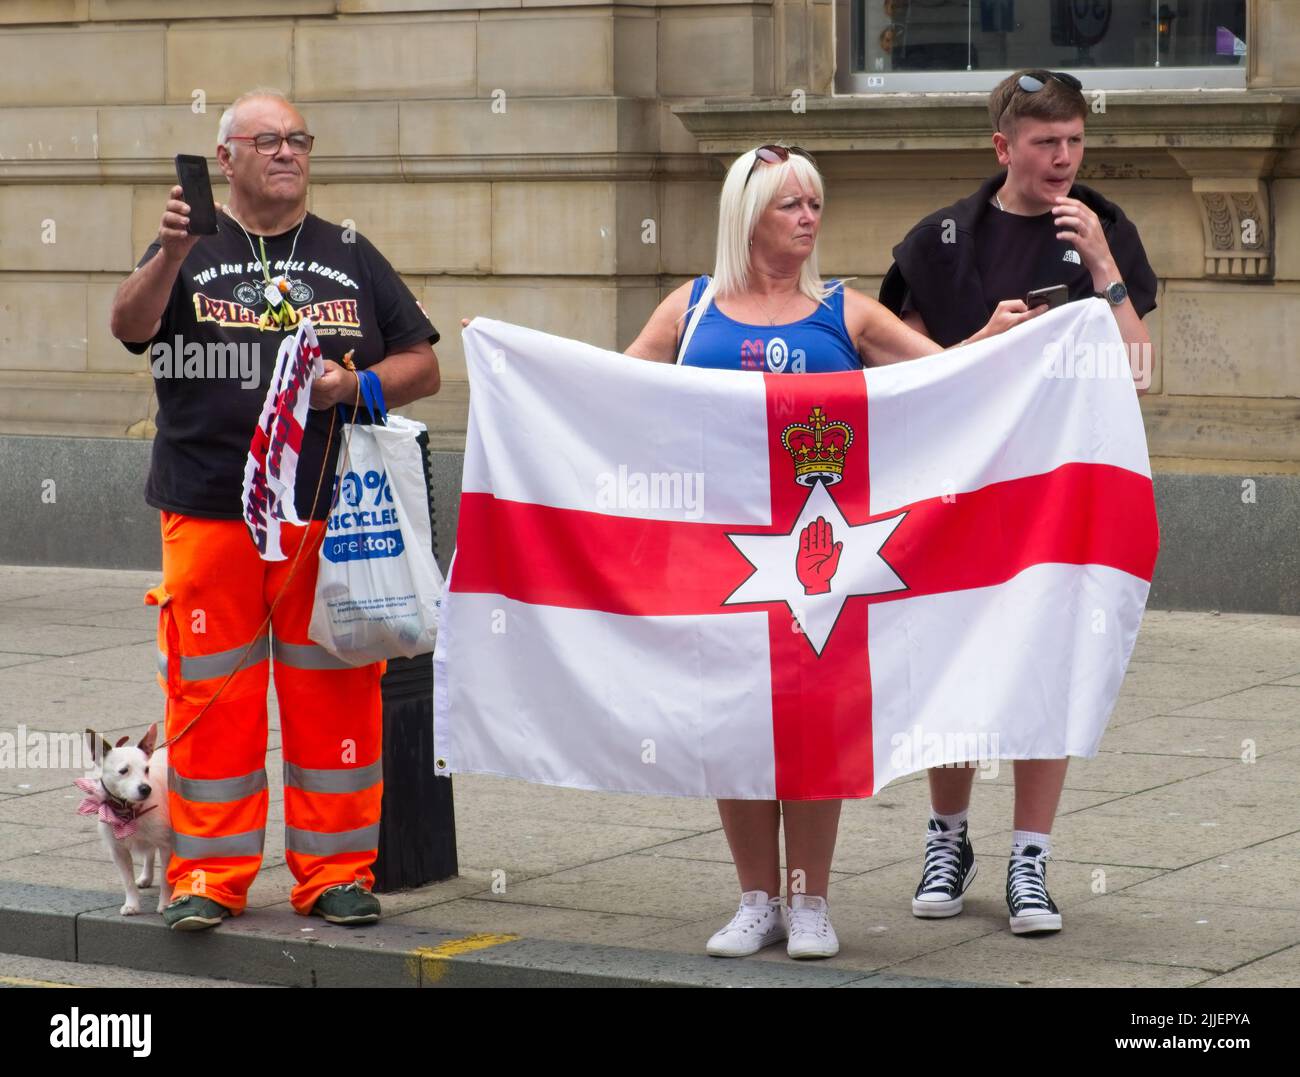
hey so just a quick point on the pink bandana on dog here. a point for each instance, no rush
(121, 817)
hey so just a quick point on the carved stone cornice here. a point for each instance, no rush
(1187, 121)
(1235, 216)
(1232, 194)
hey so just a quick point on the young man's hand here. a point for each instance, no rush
(1009, 313)
(1078, 224)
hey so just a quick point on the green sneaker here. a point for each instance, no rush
(351, 904)
(192, 913)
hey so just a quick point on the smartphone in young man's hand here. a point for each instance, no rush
(1053, 296)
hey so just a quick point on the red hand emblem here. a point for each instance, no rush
(818, 557)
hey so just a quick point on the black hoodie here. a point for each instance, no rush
(944, 278)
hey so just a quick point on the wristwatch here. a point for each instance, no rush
(1114, 293)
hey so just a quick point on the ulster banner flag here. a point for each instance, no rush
(698, 582)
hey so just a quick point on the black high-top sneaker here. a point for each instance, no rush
(949, 869)
(1032, 908)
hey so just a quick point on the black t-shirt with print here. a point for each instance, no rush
(208, 403)
(938, 265)
(1018, 254)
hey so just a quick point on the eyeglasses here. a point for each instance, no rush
(773, 154)
(1034, 82)
(268, 143)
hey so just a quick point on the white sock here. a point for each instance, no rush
(1021, 838)
(952, 822)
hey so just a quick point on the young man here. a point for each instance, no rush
(192, 300)
(1027, 228)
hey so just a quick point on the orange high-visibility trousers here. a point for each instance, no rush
(215, 594)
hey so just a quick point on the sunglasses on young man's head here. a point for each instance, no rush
(773, 154)
(1036, 80)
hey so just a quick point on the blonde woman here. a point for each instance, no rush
(765, 284)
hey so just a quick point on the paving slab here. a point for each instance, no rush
(1167, 827)
(661, 886)
(1232, 879)
(1031, 961)
(62, 640)
(130, 662)
(472, 915)
(1135, 772)
(1192, 682)
(1281, 969)
(1161, 837)
(18, 839)
(1262, 701)
(1190, 934)
(1186, 735)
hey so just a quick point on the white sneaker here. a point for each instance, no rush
(760, 921)
(811, 934)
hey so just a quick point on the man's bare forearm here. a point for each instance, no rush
(410, 375)
(404, 377)
(141, 299)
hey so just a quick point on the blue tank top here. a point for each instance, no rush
(818, 344)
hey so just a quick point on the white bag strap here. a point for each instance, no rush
(696, 315)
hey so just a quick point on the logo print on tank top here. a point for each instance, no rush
(778, 352)
(751, 355)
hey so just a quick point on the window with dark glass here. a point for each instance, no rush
(889, 36)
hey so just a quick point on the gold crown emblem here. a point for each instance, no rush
(818, 447)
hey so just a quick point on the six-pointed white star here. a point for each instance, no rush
(861, 571)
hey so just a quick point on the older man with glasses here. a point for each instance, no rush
(241, 292)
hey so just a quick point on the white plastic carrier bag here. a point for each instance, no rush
(379, 588)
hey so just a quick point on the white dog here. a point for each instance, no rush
(127, 791)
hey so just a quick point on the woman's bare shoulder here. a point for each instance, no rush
(859, 301)
(673, 309)
(860, 310)
(658, 340)
(676, 301)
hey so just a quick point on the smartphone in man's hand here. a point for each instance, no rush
(1053, 296)
(193, 175)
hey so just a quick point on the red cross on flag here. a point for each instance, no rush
(271, 467)
(697, 582)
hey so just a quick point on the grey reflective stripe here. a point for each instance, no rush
(192, 847)
(350, 780)
(216, 790)
(204, 666)
(307, 656)
(319, 843)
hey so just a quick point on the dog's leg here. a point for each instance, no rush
(145, 878)
(122, 858)
(164, 887)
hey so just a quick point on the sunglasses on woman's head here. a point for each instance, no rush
(773, 154)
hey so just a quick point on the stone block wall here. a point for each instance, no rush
(507, 156)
